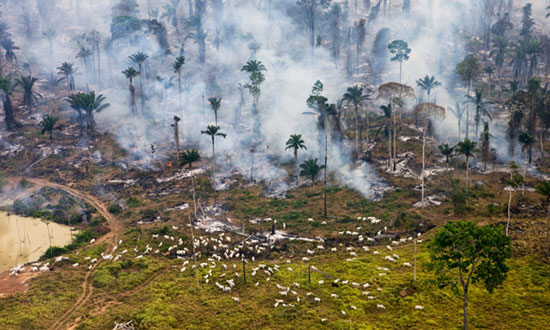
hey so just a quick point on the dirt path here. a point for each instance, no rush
(111, 238)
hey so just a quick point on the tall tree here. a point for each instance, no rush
(215, 104)
(458, 112)
(481, 108)
(67, 71)
(468, 149)
(50, 35)
(485, 148)
(543, 188)
(176, 135)
(295, 142)
(213, 131)
(400, 50)
(356, 97)
(468, 70)
(428, 84)
(198, 35)
(387, 109)
(311, 8)
(255, 68)
(178, 66)
(188, 157)
(9, 115)
(139, 58)
(130, 74)
(527, 140)
(478, 253)
(27, 84)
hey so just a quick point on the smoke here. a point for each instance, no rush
(243, 30)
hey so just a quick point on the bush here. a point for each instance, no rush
(132, 201)
(114, 209)
(54, 251)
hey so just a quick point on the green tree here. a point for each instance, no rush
(356, 96)
(29, 95)
(48, 124)
(400, 50)
(87, 104)
(188, 157)
(178, 66)
(447, 151)
(130, 74)
(428, 84)
(468, 71)
(485, 148)
(477, 253)
(139, 58)
(543, 188)
(468, 149)
(527, 140)
(481, 107)
(9, 48)
(9, 115)
(67, 71)
(215, 104)
(295, 143)
(458, 112)
(311, 169)
(213, 131)
(255, 68)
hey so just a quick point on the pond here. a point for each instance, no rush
(24, 240)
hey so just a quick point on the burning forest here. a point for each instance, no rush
(182, 164)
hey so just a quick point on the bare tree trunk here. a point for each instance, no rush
(509, 206)
(465, 309)
(325, 188)
(423, 162)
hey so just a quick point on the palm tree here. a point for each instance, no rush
(458, 112)
(296, 143)
(428, 83)
(130, 74)
(9, 47)
(468, 70)
(27, 84)
(199, 36)
(255, 68)
(171, 13)
(177, 66)
(213, 131)
(485, 145)
(188, 157)
(481, 107)
(447, 151)
(468, 149)
(513, 183)
(67, 71)
(140, 58)
(311, 169)
(89, 103)
(215, 104)
(543, 188)
(9, 116)
(387, 109)
(355, 96)
(50, 34)
(48, 125)
(528, 141)
(84, 54)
